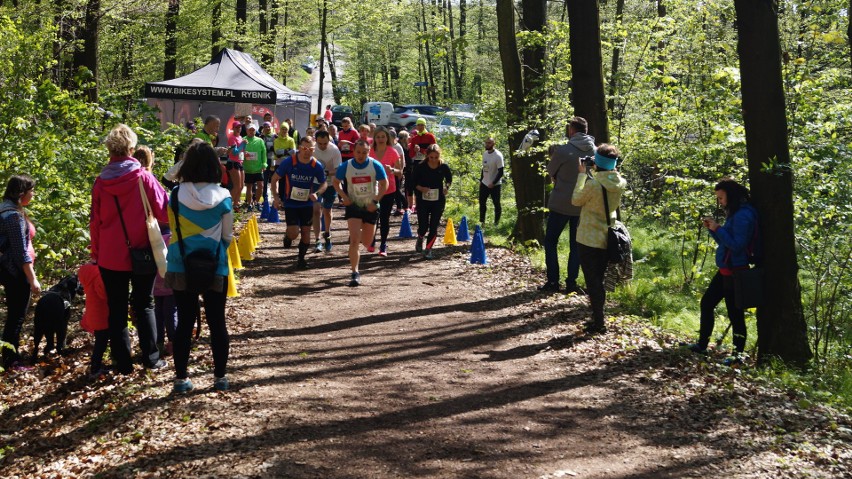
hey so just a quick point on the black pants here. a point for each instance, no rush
(721, 287)
(101, 342)
(494, 193)
(118, 284)
(594, 262)
(214, 310)
(429, 218)
(385, 207)
(17, 289)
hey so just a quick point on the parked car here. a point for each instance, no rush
(456, 123)
(339, 112)
(405, 116)
(378, 112)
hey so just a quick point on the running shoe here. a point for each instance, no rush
(419, 246)
(372, 247)
(182, 386)
(221, 384)
(287, 241)
(319, 247)
(257, 207)
(356, 279)
(328, 245)
(302, 264)
(428, 254)
(383, 250)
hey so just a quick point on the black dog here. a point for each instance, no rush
(52, 313)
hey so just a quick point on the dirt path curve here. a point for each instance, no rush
(429, 369)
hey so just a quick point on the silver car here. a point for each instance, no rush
(405, 116)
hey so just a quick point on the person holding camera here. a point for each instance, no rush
(733, 239)
(592, 232)
(562, 170)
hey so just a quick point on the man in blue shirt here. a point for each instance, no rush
(303, 180)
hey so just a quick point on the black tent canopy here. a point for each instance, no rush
(230, 79)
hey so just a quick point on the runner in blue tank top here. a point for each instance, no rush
(361, 182)
(303, 180)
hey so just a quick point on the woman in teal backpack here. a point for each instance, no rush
(734, 239)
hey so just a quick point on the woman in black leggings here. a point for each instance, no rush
(432, 180)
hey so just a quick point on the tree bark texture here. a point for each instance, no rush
(528, 182)
(781, 327)
(587, 90)
(170, 63)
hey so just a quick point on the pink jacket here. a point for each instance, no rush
(119, 179)
(96, 315)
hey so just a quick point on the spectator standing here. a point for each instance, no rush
(562, 171)
(490, 180)
(16, 263)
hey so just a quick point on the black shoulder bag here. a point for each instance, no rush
(142, 259)
(200, 265)
(618, 245)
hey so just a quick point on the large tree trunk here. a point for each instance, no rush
(332, 69)
(263, 29)
(587, 90)
(519, 84)
(170, 63)
(216, 30)
(454, 55)
(86, 57)
(242, 7)
(429, 72)
(463, 47)
(781, 328)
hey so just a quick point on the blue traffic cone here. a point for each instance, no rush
(463, 234)
(322, 222)
(273, 216)
(477, 248)
(405, 227)
(264, 210)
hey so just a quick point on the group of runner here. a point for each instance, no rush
(368, 170)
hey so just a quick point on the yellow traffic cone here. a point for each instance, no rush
(244, 245)
(232, 281)
(234, 255)
(249, 236)
(450, 233)
(254, 230)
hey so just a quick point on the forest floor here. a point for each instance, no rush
(430, 369)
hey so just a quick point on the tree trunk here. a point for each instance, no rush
(454, 55)
(323, 50)
(284, 38)
(332, 69)
(170, 64)
(263, 28)
(587, 90)
(242, 7)
(616, 60)
(462, 46)
(528, 182)
(86, 57)
(216, 30)
(429, 72)
(781, 328)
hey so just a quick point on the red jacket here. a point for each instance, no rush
(120, 179)
(96, 314)
(351, 136)
(418, 143)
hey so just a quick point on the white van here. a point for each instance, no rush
(378, 112)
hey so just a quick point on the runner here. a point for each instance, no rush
(366, 133)
(254, 163)
(389, 158)
(432, 180)
(399, 198)
(327, 153)
(418, 142)
(356, 181)
(236, 147)
(346, 138)
(268, 137)
(304, 181)
(284, 145)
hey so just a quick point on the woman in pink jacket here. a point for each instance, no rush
(117, 225)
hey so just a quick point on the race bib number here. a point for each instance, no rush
(282, 152)
(419, 157)
(300, 194)
(362, 187)
(431, 195)
(251, 156)
(344, 147)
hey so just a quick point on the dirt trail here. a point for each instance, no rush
(429, 369)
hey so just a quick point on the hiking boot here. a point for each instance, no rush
(182, 386)
(383, 250)
(428, 254)
(318, 249)
(419, 246)
(288, 242)
(594, 327)
(221, 384)
(574, 289)
(302, 264)
(328, 244)
(356, 279)
(548, 288)
(696, 348)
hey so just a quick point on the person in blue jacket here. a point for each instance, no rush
(734, 240)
